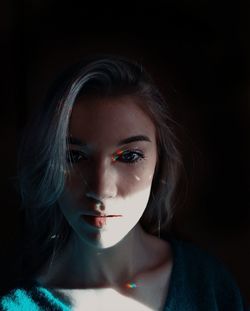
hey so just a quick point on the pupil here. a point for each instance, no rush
(129, 156)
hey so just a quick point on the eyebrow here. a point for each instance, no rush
(75, 141)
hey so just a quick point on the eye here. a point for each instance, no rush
(128, 156)
(74, 156)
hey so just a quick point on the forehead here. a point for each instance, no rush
(113, 118)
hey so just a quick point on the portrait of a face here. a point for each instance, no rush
(113, 156)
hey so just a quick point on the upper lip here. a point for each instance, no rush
(100, 215)
(94, 211)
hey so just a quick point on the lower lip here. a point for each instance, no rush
(98, 221)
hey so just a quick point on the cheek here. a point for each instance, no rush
(142, 179)
(138, 179)
(75, 185)
(136, 189)
(133, 207)
(67, 203)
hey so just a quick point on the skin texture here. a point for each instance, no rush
(103, 173)
(117, 251)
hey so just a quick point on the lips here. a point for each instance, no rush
(99, 221)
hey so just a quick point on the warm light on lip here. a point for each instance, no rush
(98, 221)
(104, 216)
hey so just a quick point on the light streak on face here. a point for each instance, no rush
(137, 178)
(114, 155)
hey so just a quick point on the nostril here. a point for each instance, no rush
(101, 207)
(93, 198)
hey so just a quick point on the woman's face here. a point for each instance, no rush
(114, 154)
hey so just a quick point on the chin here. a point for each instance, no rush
(102, 240)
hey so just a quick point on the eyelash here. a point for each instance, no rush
(140, 156)
(70, 156)
(138, 153)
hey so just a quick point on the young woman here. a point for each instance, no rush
(98, 170)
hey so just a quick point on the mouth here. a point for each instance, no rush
(98, 221)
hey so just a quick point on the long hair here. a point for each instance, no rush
(42, 158)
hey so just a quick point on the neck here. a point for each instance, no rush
(90, 267)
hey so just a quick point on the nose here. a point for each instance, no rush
(97, 201)
(101, 182)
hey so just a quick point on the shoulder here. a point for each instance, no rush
(28, 295)
(204, 278)
(199, 262)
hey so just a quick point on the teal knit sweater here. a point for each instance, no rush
(199, 282)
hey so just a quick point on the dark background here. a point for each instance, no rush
(197, 54)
